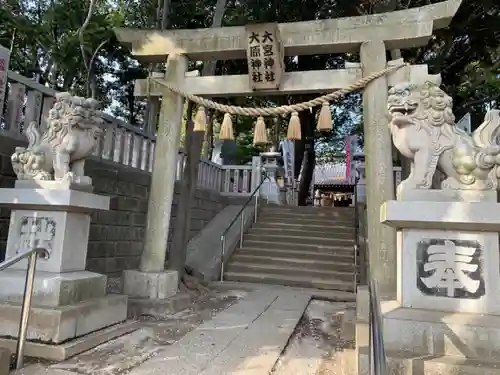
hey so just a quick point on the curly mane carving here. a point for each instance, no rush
(423, 129)
(73, 124)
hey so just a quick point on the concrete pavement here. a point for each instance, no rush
(245, 339)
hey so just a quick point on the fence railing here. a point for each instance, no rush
(122, 143)
(361, 186)
(237, 180)
(125, 144)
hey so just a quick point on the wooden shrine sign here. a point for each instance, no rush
(265, 56)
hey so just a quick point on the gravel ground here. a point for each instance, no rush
(323, 334)
(118, 356)
(318, 346)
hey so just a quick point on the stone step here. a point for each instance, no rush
(310, 209)
(302, 233)
(305, 226)
(256, 242)
(302, 219)
(308, 241)
(406, 363)
(253, 248)
(289, 260)
(296, 281)
(322, 294)
(286, 270)
(334, 215)
(68, 349)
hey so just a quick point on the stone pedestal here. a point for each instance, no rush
(270, 189)
(446, 317)
(153, 285)
(68, 302)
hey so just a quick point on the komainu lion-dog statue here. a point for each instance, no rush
(423, 129)
(73, 126)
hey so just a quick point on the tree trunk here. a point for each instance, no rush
(92, 84)
(307, 120)
(165, 14)
(298, 149)
(177, 253)
(68, 81)
(209, 137)
(276, 131)
(194, 145)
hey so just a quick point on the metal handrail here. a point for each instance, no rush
(377, 358)
(242, 221)
(356, 232)
(28, 293)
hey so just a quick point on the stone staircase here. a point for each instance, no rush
(309, 247)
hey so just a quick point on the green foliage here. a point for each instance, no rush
(467, 55)
(243, 128)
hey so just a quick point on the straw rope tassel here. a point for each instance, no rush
(260, 133)
(200, 120)
(226, 129)
(294, 133)
(282, 110)
(325, 121)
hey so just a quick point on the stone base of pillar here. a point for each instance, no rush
(446, 317)
(421, 342)
(158, 308)
(68, 302)
(52, 289)
(56, 325)
(153, 285)
(64, 305)
(56, 219)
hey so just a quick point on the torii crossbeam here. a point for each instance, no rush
(370, 35)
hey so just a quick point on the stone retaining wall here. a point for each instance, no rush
(116, 236)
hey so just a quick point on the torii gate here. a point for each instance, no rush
(371, 35)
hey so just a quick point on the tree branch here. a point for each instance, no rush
(91, 65)
(476, 102)
(82, 30)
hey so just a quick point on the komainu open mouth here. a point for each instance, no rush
(405, 109)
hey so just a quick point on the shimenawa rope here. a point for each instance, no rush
(283, 110)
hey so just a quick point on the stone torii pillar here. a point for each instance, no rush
(152, 280)
(403, 29)
(379, 169)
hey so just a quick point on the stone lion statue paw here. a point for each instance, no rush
(69, 178)
(406, 185)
